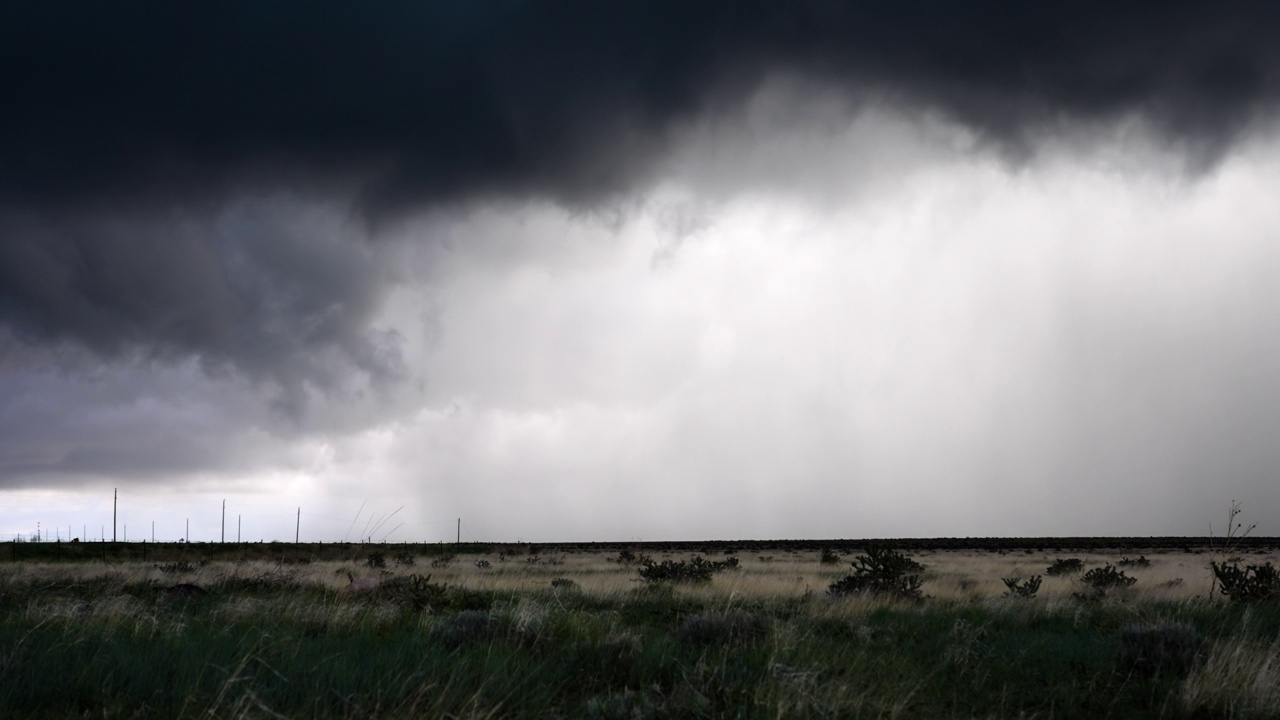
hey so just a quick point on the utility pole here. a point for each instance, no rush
(237, 529)
(153, 531)
(297, 531)
(187, 539)
(459, 541)
(115, 498)
(224, 522)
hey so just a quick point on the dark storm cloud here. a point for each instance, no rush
(242, 289)
(128, 130)
(570, 98)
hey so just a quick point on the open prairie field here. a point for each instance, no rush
(515, 631)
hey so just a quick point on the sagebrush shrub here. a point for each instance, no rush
(882, 571)
(1140, 561)
(376, 560)
(829, 557)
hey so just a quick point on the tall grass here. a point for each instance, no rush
(271, 640)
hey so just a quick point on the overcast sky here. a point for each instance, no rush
(639, 270)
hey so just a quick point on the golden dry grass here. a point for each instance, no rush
(956, 575)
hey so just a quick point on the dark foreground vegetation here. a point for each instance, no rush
(176, 639)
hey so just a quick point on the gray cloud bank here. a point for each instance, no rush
(131, 131)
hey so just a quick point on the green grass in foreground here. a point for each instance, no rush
(98, 647)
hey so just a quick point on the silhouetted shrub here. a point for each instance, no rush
(697, 570)
(483, 564)
(881, 571)
(414, 592)
(1253, 583)
(376, 560)
(1025, 589)
(1140, 561)
(829, 557)
(404, 559)
(1101, 579)
(1107, 577)
(1065, 566)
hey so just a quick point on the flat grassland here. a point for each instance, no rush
(579, 634)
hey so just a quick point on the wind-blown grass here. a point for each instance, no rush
(764, 641)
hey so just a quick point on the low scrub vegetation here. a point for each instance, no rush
(1024, 589)
(883, 572)
(589, 637)
(1065, 566)
(696, 570)
(1252, 583)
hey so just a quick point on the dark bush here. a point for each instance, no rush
(1025, 589)
(376, 560)
(1107, 577)
(1141, 561)
(404, 559)
(697, 570)
(1253, 583)
(829, 557)
(1101, 579)
(881, 571)
(1065, 566)
(413, 592)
